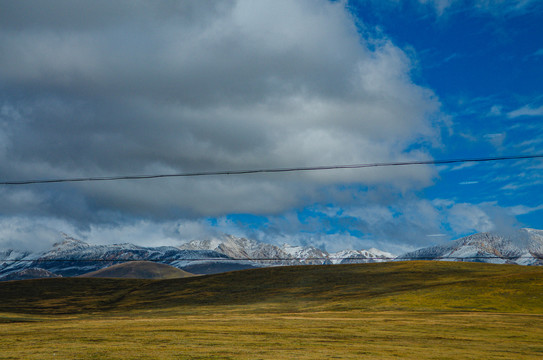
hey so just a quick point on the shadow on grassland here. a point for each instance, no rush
(394, 286)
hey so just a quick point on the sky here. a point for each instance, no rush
(102, 88)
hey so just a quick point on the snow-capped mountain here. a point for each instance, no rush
(259, 252)
(360, 256)
(72, 257)
(524, 247)
(307, 255)
(267, 254)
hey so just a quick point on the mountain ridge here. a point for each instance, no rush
(268, 254)
(73, 257)
(524, 247)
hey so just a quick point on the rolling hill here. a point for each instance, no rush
(421, 286)
(396, 310)
(139, 270)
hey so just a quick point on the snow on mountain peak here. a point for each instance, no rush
(69, 242)
(525, 247)
(286, 254)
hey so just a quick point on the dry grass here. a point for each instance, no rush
(227, 335)
(414, 310)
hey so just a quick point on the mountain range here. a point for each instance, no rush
(522, 247)
(73, 257)
(267, 254)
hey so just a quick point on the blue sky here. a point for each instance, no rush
(145, 88)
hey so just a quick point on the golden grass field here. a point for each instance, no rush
(403, 310)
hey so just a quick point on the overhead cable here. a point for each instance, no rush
(272, 259)
(263, 171)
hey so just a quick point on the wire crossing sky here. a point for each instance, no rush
(278, 170)
(382, 258)
(95, 94)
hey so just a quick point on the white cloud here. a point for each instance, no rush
(439, 5)
(462, 166)
(495, 7)
(523, 210)
(526, 111)
(496, 139)
(31, 234)
(397, 227)
(466, 218)
(495, 110)
(141, 232)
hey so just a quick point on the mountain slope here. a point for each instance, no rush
(391, 286)
(360, 256)
(267, 254)
(242, 248)
(30, 273)
(524, 247)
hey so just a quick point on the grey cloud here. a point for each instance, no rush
(107, 88)
(66, 15)
(29, 234)
(241, 55)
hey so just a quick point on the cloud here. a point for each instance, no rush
(523, 210)
(526, 111)
(439, 5)
(397, 227)
(468, 182)
(139, 232)
(495, 139)
(495, 110)
(466, 218)
(461, 166)
(494, 7)
(101, 88)
(30, 234)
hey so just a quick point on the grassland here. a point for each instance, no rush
(422, 310)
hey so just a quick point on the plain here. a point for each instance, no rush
(408, 310)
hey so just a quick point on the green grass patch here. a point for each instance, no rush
(420, 286)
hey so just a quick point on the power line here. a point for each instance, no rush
(285, 259)
(262, 171)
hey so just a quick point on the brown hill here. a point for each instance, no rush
(140, 270)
